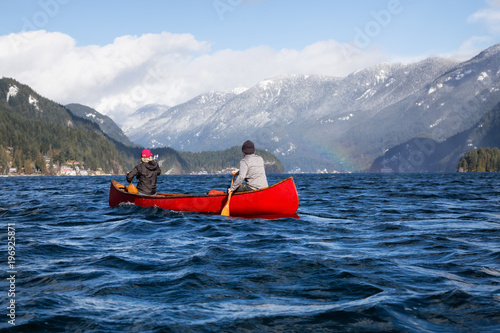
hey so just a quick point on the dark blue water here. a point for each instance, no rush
(369, 253)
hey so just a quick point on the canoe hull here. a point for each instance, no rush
(278, 199)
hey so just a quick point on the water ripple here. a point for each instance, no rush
(368, 253)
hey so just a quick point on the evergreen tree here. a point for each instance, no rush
(18, 160)
(41, 165)
(4, 160)
(28, 168)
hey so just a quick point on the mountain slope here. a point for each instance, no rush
(426, 155)
(105, 123)
(450, 104)
(301, 118)
(142, 116)
(181, 123)
(32, 126)
(316, 123)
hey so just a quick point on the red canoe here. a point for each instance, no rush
(280, 199)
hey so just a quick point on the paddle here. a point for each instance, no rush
(132, 189)
(225, 210)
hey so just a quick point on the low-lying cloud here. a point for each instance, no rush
(133, 71)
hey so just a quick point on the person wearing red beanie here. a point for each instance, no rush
(146, 172)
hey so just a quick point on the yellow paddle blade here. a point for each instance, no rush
(132, 189)
(225, 210)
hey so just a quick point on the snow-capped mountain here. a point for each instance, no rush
(179, 123)
(314, 123)
(449, 104)
(427, 155)
(142, 116)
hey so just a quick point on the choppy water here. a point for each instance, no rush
(369, 253)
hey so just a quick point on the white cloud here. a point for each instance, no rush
(467, 50)
(489, 16)
(472, 47)
(165, 68)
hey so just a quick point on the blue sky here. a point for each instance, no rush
(201, 45)
(419, 27)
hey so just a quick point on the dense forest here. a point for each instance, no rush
(59, 143)
(480, 160)
(33, 128)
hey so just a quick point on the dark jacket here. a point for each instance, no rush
(146, 175)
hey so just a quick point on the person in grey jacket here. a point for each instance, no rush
(251, 170)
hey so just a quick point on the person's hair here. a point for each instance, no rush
(146, 159)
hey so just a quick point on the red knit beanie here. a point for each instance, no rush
(146, 153)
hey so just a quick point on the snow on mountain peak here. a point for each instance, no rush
(142, 116)
(239, 90)
(210, 97)
(382, 76)
(489, 52)
(265, 84)
(283, 79)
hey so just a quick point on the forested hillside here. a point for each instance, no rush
(38, 136)
(480, 160)
(106, 124)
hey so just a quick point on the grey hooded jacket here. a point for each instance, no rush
(252, 171)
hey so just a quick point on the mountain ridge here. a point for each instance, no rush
(106, 124)
(317, 122)
(427, 155)
(38, 134)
